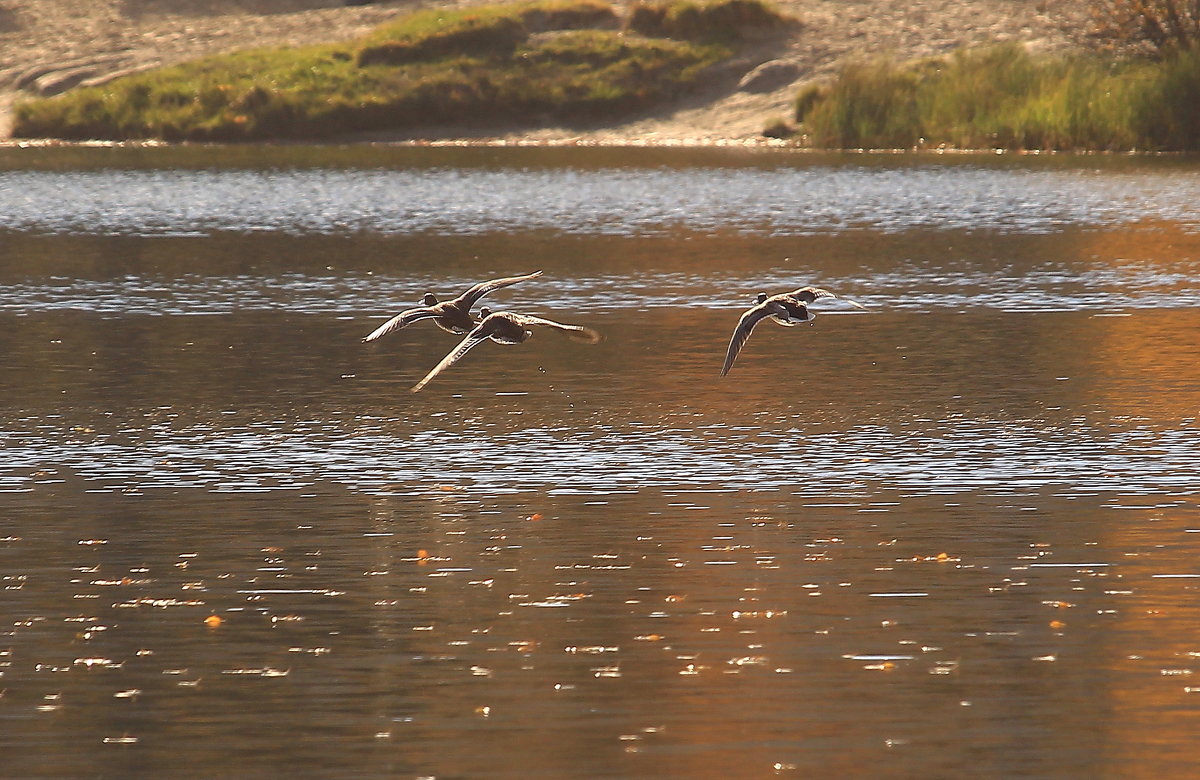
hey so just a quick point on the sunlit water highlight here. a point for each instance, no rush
(779, 201)
(1046, 289)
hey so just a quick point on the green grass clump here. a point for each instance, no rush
(712, 20)
(871, 102)
(1168, 116)
(1004, 97)
(496, 29)
(560, 60)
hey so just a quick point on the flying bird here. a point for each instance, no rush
(453, 316)
(504, 327)
(787, 309)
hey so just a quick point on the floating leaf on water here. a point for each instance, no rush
(1048, 658)
(212, 621)
(1057, 624)
(535, 517)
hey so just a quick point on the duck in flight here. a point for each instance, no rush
(787, 309)
(504, 327)
(453, 316)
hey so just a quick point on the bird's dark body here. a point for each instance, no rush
(453, 316)
(787, 309)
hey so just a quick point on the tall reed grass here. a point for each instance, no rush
(1004, 97)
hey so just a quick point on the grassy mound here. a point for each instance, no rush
(549, 60)
(701, 21)
(1004, 97)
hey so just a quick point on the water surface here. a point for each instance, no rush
(955, 533)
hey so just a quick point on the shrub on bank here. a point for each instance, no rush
(1004, 97)
(560, 60)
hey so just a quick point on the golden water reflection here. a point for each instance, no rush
(954, 535)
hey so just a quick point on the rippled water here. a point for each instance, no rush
(786, 198)
(952, 534)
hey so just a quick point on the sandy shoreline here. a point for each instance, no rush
(48, 45)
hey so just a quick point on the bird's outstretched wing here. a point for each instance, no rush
(577, 332)
(471, 296)
(810, 294)
(401, 320)
(742, 332)
(473, 339)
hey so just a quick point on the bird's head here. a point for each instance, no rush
(484, 312)
(761, 298)
(428, 299)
